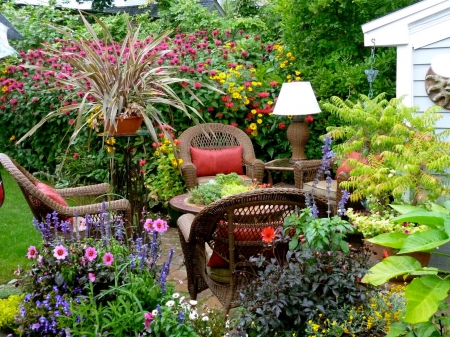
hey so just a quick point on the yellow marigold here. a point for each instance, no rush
(254, 133)
(157, 153)
(5, 88)
(259, 121)
(250, 89)
(297, 78)
(252, 70)
(222, 81)
(288, 77)
(12, 138)
(253, 111)
(110, 148)
(297, 73)
(236, 95)
(246, 101)
(4, 71)
(270, 102)
(289, 54)
(111, 141)
(259, 115)
(282, 65)
(253, 126)
(239, 66)
(292, 58)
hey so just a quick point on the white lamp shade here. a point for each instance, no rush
(296, 98)
(441, 65)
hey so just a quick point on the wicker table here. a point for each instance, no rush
(283, 165)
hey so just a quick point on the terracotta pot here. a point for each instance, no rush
(127, 126)
(378, 254)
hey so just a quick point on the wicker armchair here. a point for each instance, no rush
(216, 136)
(305, 172)
(231, 228)
(41, 204)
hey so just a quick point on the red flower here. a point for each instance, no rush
(197, 85)
(309, 119)
(210, 109)
(248, 130)
(142, 162)
(268, 234)
(229, 104)
(273, 83)
(281, 126)
(385, 254)
(220, 115)
(75, 156)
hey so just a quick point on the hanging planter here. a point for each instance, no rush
(125, 126)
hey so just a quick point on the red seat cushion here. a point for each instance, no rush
(345, 167)
(212, 162)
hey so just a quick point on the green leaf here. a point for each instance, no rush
(391, 267)
(431, 219)
(293, 243)
(393, 240)
(447, 204)
(438, 208)
(424, 241)
(403, 209)
(423, 296)
(397, 329)
(427, 329)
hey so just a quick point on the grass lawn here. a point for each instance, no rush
(17, 232)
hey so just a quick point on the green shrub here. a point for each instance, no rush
(9, 308)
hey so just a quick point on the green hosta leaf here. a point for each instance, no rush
(423, 296)
(403, 209)
(427, 329)
(397, 329)
(390, 267)
(393, 240)
(439, 208)
(447, 204)
(424, 241)
(431, 219)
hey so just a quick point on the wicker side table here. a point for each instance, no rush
(283, 165)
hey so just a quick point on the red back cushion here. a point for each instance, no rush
(212, 162)
(345, 167)
(51, 193)
(2, 192)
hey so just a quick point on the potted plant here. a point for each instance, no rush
(116, 81)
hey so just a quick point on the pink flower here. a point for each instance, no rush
(91, 254)
(148, 319)
(32, 252)
(34, 99)
(197, 85)
(14, 101)
(71, 121)
(160, 225)
(108, 259)
(273, 83)
(309, 119)
(60, 252)
(76, 155)
(244, 53)
(142, 162)
(148, 225)
(91, 277)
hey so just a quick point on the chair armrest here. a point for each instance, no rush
(98, 189)
(122, 205)
(254, 169)
(189, 172)
(184, 223)
(306, 170)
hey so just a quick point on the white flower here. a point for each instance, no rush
(192, 302)
(175, 295)
(182, 299)
(155, 312)
(193, 315)
(205, 318)
(170, 303)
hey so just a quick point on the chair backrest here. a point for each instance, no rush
(233, 226)
(214, 136)
(40, 204)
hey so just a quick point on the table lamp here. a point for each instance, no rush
(297, 99)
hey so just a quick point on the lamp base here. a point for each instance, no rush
(298, 135)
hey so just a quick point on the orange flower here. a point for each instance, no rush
(268, 234)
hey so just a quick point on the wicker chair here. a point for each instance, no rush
(216, 136)
(305, 172)
(231, 228)
(41, 204)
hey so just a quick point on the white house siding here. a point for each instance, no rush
(421, 63)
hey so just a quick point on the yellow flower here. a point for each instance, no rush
(254, 133)
(246, 101)
(12, 138)
(4, 71)
(297, 78)
(252, 70)
(5, 88)
(180, 161)
(111, 141)
(231, 84)
(270, 102)
(282, 65)
(253, 126)
(288, 77)
(259, 115)
(292, 58)
(250, 89)
(253, 111)
(289, 54)
(259, 121)
(157, 153)
(297, 73)
(110, 148)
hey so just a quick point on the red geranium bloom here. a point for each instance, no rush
(268, 234)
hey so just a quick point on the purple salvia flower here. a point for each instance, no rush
(341, 205)
(181, 318)
(142, 257)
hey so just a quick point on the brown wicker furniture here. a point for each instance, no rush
(41, 204)
(231, 227)
(216, 136)
(283, 165)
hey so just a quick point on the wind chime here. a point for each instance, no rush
(371, 73)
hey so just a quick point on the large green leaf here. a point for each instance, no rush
(391, 267)
(431, 219)
(403, 209)
(424, 241)
(438, 208)
(423, 296)
(393, 240)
